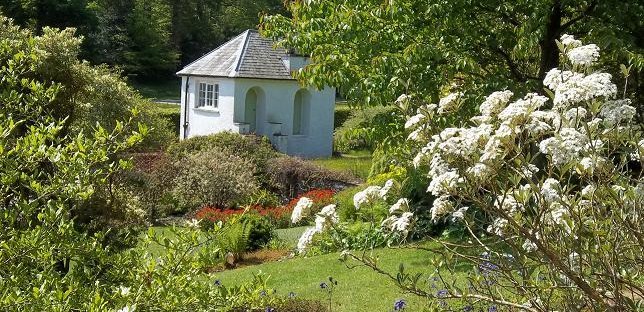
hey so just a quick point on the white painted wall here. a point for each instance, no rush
(275, 107)
(206, 120)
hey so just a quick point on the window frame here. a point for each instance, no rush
(207, 95)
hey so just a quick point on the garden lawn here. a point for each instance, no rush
(159, 90)
(359, 289)
(356, 163)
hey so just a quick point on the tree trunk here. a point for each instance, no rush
(548, 44)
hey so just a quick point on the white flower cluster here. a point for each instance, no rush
(450, 103)
(569, 41)
(584, 55)
(302, 209)
(400, 218)
(326, 218)
(414, 120)
(495, 103)
(371, 194)
(573, 88)
(399, 224)
(570, 131)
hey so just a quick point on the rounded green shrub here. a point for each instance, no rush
(214, 178)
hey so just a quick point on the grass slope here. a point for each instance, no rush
(359, 289)
(357, 163)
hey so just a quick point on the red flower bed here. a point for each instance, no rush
(320, 197)
(279, 216)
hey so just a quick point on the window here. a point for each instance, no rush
(208, 95)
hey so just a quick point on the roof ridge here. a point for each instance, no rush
(242, 53)
(212, 51)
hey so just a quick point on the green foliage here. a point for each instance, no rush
(366, 128)
(264, 198)
(151, 52)
(254, 149)
(291, 176)
(342, 113)
(262, 231)
(375, 51)
(148, 39)
(214, 178)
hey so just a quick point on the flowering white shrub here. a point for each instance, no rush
(557, 182)
(399, 219)
(325, 219)
(302, 208)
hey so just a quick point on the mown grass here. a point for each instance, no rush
(359, 288)
(356, 163)
(160, 90)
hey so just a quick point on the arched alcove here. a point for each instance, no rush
(301, 112)
(254, 108)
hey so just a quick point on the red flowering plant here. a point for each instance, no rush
(319, 197)
(280, 217)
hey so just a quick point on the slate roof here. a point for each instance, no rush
(246, 56)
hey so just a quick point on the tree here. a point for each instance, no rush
(374, 51)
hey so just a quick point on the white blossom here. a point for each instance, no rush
(441, 206)
(588, 191)
(498, 226)
(401, 205)
(306, 239)
(127, 309)
(616, 112)
(495, 102)
(193, 223)
(459, 214)
(564, 147)
(450, 103)
(386, 188)
(403, 98)
(326, 217)
(366, 196)
(402, 224)
(124, 291)
(414, 120)
(479, 171)
(578, 88)
(529, 246)
(584, 55)
(550, 190)
(414, 135)
(569, 41)
(444, 183)
(301, 209)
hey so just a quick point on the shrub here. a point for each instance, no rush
(342, 114)
(257, 150)
(291, 176)
(258, 220)
(557, 180)
(264, 198)
(262, 231)
(214, 178)
(366, 128)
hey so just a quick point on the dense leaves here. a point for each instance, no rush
(376, 50)
(148, 39)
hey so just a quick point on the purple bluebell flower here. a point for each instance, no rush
(217, 283)
(269, 309)
(492, 308)
(263, 293)
(441, 293)
(468, 308)
(323, 285)
(400, 304)
(291, 295)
